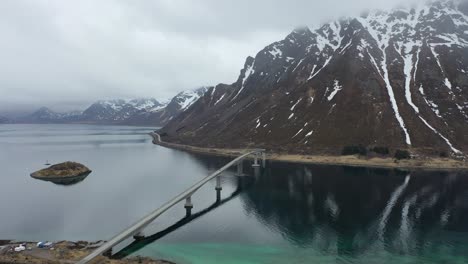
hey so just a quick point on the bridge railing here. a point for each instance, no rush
(185, 195)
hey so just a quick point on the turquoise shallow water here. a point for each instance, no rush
(247, 254)
(290, 213)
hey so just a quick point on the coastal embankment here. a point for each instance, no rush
(424, 163)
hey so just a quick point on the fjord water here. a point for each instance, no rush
(290, 213)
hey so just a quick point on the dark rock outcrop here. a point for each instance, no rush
(63, 170)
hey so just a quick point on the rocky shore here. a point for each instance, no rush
(67, 169)
(59, 253)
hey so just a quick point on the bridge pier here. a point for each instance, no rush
(139, 235)
(263, 159)
(108, 253)
(240, 168)
(218, 188)
(255, 165)
(188, 206)
(256, 172)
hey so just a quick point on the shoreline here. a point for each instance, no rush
(427, 163)
(61, 252)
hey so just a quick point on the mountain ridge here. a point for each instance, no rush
(141, 111)
(389, 78)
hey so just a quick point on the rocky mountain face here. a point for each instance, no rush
(146, 111)
(397, 79)
(179, 104)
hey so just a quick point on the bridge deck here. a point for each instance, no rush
(135, 228)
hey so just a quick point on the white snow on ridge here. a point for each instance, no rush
(188, 102)
(139, 104)
(116, 105)
(334, 29)
(336, 87)
(158, 108)
(249, 71)
(276, 53)
(188, 98)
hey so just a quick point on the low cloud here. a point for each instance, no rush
(66, 54)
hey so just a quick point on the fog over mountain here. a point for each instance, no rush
(70, 54)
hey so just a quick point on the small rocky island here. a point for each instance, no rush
(65, 173)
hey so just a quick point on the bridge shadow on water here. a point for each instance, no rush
(140, 243)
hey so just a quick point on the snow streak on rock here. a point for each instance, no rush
(336, 87)
(220, 99)
(408, 68)
(294, 106)
(300, 130)
(249, 71)
(391, 94)
(382, 41)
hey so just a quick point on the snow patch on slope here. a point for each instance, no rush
(276, 52)
(249, 71)
(336, 88)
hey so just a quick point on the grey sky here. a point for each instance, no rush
(66, 54)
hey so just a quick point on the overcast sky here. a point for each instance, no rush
(67, 54)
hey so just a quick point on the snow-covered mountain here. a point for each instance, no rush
(44, 115)
(185, 99)
(394, 78)
(120, 111)
(144, 111)
(178, 104)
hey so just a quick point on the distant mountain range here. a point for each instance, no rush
(4, 120)
(388, 78)
(145, 111)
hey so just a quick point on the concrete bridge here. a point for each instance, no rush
(135, 230)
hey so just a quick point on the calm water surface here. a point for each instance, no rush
(287, 214)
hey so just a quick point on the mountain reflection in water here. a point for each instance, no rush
(348, 210)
